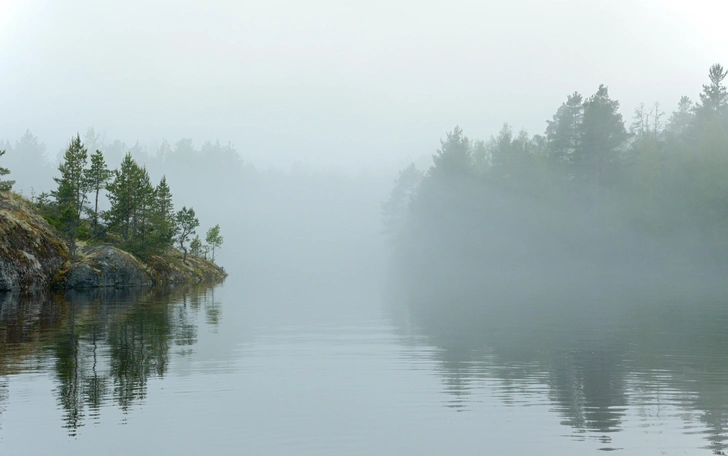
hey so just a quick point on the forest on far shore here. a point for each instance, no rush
(592, 194)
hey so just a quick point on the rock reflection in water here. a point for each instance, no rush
(103, 345)
(595, 356)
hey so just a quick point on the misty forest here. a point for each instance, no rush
(563, 291)
(593, 197)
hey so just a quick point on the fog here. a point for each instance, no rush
(350, 92)
(335, 84)
(525, 192)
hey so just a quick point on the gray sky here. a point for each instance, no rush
(344, 84)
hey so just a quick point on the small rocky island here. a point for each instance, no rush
(34, 255)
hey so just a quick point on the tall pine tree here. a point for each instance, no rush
(96, 177)
(70, 196)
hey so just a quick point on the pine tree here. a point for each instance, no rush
(603, 134)
(681, 120)
(454, 157)
(714, 99)
(563, 133)
(186, 224)
(214, 239)
(5, 185)
(70, 195)
(162, 219)
(144, 201)
(96, 177)
(121, 194)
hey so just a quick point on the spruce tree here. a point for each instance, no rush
(563, 132)
(714, 99)
(602, 134)
(121, 191)
(162, 219)
(144, 200)
(454, 157)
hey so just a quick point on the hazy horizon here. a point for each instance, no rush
(332, 85)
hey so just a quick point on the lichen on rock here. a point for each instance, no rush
(31, 251)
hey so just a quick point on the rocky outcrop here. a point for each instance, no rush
(31, 251)
(104, 266)
(34, 256)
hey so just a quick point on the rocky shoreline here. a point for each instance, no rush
(34, 256)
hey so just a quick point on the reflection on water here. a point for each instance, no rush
(292, 371)
(101, 346)
(593, 356)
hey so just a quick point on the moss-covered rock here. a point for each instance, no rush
(106, 266)
(33, 255)
(31, 251)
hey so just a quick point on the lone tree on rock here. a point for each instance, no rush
(214, 239)
(186, 224)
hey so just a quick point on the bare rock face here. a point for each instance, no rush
(105, 266)
(31, 251)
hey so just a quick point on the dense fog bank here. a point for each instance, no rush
(309, 228)
(591, 200)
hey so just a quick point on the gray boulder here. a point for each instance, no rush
(106, 266)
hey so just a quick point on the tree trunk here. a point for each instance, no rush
(96, 210)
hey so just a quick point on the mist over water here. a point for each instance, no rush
(316, 344)
(558, 289)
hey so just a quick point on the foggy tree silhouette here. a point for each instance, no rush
(587, 200)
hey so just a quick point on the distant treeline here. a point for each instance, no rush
(589, 195)
(33, 167)
(141, 217)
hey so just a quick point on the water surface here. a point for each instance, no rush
(249, 367)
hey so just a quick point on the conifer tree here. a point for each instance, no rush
(162, 218)
(5, 185)
(603, 134)
(714, 99)
(454, 157)
(121, 194)
(563, 132)
(144, 201)
(96, 177)
(70, 195)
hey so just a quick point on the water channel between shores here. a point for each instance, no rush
(245, 367)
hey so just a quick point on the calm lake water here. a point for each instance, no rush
(253, 367)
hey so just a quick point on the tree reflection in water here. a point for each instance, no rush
(593, 353)
(104, 345)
